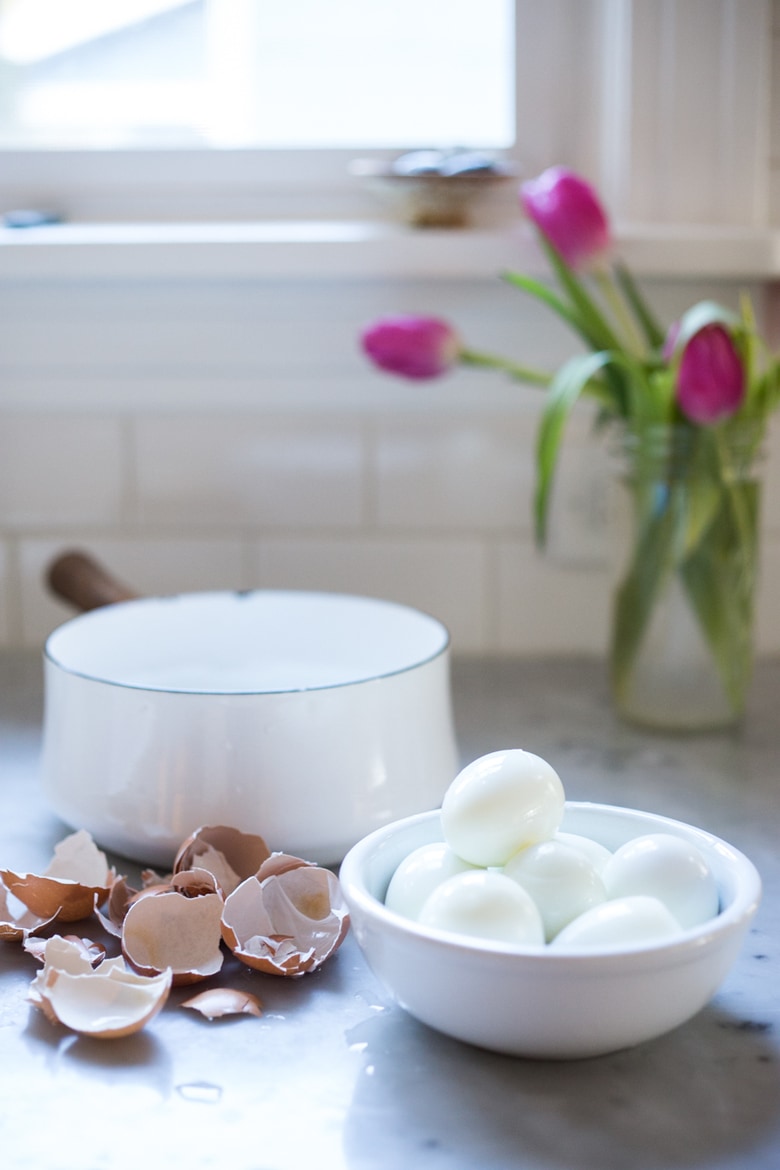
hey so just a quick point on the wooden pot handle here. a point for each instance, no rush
(77, 578)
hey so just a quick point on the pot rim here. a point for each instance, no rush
(58, 660)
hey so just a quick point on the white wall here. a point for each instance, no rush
(227, 433)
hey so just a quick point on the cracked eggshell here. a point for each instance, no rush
(77, 879)
(169, 929)
(229, 854)
(106, 1002)
(224, 1001)
(17, 921)
(288, 923)
(93, 952)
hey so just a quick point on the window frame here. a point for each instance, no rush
(195, 182)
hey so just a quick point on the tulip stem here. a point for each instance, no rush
(470, 357)
(618, 307)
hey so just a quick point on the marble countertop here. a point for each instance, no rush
(336, 1077)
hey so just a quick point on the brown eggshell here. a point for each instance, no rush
(106, 1002)
(279, 863)
(194, 883)
(228, 853)
(17, 922)
(224, 1001)
(169, 929)
(287, 924)
(77, 879)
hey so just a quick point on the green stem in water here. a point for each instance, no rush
(470, 357)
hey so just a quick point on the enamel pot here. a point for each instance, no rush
(309, 718)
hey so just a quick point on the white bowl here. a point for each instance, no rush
(536, 1002)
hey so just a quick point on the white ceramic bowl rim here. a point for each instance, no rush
(308, 641)
(747, 894)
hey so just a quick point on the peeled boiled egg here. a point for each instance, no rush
(632, 921)
(561, 880)
(597, 854)
(668, 868)
(486, 905)
(499, 804)
(419, 874)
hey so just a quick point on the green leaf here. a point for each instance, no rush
(593, 323)
(641, 310)
(542, 292)
(699, 316)
(564, 390)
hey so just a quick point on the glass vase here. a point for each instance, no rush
(681, 649)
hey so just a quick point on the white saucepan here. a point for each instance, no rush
(309, 718)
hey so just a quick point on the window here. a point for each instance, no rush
(256, 74)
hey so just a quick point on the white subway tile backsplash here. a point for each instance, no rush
(200, 436)
(59, 470)
(443, 577)
(462, 473)
(543, 608)
(248, 471)
(154, 566)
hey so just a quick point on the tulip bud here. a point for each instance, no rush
(566, 210)
(414, 347)
(711, 377)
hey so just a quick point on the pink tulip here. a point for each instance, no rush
(414, 347)
(566, 210)
(711, 377)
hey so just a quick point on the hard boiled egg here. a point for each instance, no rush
(499, 804)
(634, 921)
(561, 880)
(597, 854)
(668, 868)
(419, 874)
(486, 905)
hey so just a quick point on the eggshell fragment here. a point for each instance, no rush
(120, 898)
(169, 930)
(287, 923)
(500, 803)
(561, 880)
(105, 1002)
(93, 952)
(669, 868)
(485, 905)
(229, 854)
(224, 1001)
(418, 875)
(77, 879)
(17, 922)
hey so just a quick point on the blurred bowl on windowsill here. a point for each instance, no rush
(436, 189)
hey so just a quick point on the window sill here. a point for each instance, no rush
(358, 250)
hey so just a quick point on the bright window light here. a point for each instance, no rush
(262, 74)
